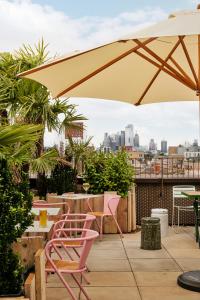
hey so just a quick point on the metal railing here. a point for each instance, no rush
(164, 167)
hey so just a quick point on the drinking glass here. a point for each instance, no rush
(43, 218)
(86, 186)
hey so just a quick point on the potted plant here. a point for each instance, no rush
(108, 172)
(15, 217)
(111, 172)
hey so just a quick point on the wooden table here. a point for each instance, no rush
(76, 198)
(35, 229)
(191, 280)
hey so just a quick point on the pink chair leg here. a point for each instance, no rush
(121, 234)
(66, 286)
(81, 287)
(101, 228)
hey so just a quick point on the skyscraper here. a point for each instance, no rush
(152, 145)
(122, 138)
(164, 146)
(136, 140)
(129, 136)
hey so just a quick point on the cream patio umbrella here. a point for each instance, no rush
(157, 64)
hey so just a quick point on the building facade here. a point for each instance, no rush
(129, 135)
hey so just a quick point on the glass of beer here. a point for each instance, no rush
(43, 218)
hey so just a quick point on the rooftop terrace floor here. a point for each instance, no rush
(120, 270)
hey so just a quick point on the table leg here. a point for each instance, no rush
(195, 204)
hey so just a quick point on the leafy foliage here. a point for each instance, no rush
(62, 180)
(108, 172)
(15, 217)
(77, 151)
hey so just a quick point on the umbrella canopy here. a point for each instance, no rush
(158, 64)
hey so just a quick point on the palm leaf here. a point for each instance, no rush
(12, 134)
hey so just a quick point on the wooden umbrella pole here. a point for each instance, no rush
(199, 119)
(198, 92)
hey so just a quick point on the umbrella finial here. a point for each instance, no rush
(198, 6)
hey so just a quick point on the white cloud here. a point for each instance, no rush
(22, 21)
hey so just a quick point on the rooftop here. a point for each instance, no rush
(119, 269)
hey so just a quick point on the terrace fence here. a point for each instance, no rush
(154, 181)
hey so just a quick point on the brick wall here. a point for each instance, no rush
(152, 193)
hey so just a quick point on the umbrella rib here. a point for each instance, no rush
(165, 70)
(158, 58)
(189, 60)
(57, 61)
(169, 56)
(180, 69)
(110, 63)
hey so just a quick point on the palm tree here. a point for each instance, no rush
(13, 88)
(78, 151)
(27, 102)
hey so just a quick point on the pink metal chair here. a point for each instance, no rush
(45, 204)
(111, 202)
(62, 265)
(71, 221)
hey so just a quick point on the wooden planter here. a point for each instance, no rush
(31, 252)
(35, 285)
(126, 213)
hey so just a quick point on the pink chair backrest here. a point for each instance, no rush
(44, 204)
(71, 219)
(111, 202)
(87, 241)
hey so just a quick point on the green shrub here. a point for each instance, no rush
(108, 172)
(62, 180)
(15, 217)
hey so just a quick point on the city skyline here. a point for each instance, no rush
(152, 144)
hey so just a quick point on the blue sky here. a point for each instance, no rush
(80, 8)
(68, 25)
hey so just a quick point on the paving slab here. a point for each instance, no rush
(154, 265)
(158, 279)
(167, 293)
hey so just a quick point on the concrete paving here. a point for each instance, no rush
(120, 270)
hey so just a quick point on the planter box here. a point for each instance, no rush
(35, 285)
(126, 213)
(27, 247)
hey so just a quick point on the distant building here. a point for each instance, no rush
(62, 148)
(152, 145)
(181, 150)
(136, 140)
(191, 154)
(117, 139)
(135, 155)
(172, 150)
(76, 132)
(106, 140)
(122, 138)
(193, 151)
(164, 146)
(129, 136)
